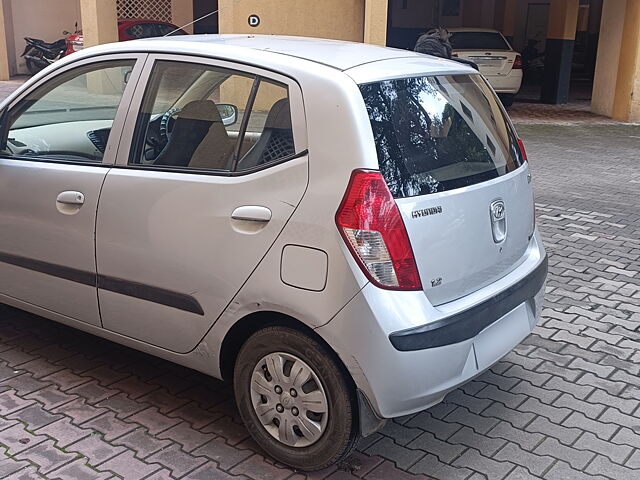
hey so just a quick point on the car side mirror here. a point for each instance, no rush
(228, 112)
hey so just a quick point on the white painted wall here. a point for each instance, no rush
(44, 19)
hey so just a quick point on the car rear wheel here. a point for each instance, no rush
(294, 399)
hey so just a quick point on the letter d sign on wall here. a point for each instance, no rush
(253, 20)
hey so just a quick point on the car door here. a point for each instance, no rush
(59, 139)
(214, 166)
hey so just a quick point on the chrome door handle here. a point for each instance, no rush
(252, 213)
(71, 198)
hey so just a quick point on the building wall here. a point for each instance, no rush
(45, 19)
(338, 19)
(613, 14)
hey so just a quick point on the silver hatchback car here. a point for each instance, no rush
(345, 231)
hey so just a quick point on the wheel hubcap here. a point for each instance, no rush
(289, 399)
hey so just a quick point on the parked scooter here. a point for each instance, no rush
(40, 54)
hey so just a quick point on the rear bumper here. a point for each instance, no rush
(469, 323)
(509, 83)
(405, 355)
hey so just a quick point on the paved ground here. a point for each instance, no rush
(564, 405)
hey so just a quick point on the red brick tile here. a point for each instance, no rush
(93, 392)
(153, 420)
(233, 432)
(25, 384)
(16, 356)
(223, 454)
(51, 396)
(78, 470)
(129, 467)
(46, 456)
(109, 426)
(122, 405)
(65, 379)
(133, 387)
(106, 375)
(211, 471)
(34, 416)
(163, 400)
(10, 402)
(79, 411)
(17, 439)
(256, 467)
(95, 449)
(187, 436)
(195, 415)
(179, 462)
(142, 443)
(64, 432)
(40, 367)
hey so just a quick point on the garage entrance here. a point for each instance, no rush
(557, 39)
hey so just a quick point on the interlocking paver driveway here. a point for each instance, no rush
(564, 405)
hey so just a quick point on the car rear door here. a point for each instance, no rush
(184, 221)
(454, 165)
(60, 140)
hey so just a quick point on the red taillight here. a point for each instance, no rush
(517, 63)
(523, 152)
(370, 223)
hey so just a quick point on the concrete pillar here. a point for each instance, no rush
(609, 43)
(99, 21)
(626, 104)
(593, 29)
(182, 13)
(561, 36)
(375, 21)
(4, 50)
(509, 19)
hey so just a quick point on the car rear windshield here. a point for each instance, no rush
(478, 41)
(438, 133)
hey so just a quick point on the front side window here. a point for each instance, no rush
(439, 133)
(203, 117)
(70, 117)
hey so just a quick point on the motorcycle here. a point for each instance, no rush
(40, 54)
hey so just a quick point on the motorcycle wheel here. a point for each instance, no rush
(32, 66)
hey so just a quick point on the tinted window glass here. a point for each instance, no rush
(269, 136)
(434, 134)
(191, 116)
(70, 117)
(478, 41)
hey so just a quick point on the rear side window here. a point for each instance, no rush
(478, 41)
(435, 134)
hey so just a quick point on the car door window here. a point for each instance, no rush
(191, 116)
(269, 134)
(70, 117)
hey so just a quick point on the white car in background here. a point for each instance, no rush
(495, 57)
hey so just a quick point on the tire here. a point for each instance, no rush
(32, 67)
(335, 431)
(507, 99)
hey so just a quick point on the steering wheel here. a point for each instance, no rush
(166, 123)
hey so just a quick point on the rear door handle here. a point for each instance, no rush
(71, 197)
(252, 213)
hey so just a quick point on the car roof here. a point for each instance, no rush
(337, 54)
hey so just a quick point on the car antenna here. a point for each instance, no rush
(190, 23)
